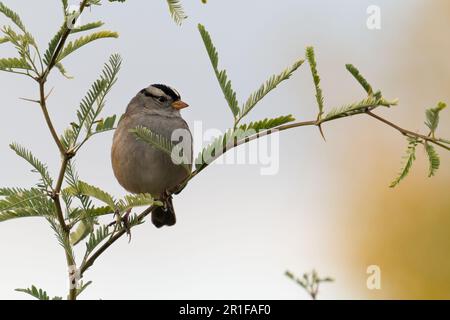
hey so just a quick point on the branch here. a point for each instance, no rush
(60, 46)
(318, 123)
(43, 104)
(89, 262)
(410, 133)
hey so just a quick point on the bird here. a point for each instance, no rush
(142, 168)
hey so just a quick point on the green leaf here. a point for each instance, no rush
(138, 200)
(267, 87)
(106, 124)
(154, 139)
(82, 41)
(93, 103)
(433, 158)
(62, 238)
(358, 107)
(36, 163)
(96, 238)
(217, 148)
(35, 292)
(221, 75)
(53, 44)
(84, 228)
(176, 11)
(312, 63)
(63, 71)
(358, 76)
(267, 124)
(94, 192)
(13, 16)
(87, 27)
(163, 144)
(8, 64)
(3, 40)
(408, 162)
(21, 203)
(432, 116)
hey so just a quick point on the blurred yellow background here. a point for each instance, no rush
(406, 230)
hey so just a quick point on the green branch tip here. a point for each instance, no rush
(359, 77)
(310, 56)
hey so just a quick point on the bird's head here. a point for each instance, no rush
(161, 99)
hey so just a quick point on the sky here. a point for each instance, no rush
(327, 207)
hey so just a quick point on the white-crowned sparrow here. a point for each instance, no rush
(140, 167)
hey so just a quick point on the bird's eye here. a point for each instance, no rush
(162, 99)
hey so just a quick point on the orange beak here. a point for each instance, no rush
(179, 105)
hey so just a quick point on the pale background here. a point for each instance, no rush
(329, 207)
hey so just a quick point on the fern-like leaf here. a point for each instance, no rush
(21, 203)
(316, 78)
(358, 107)
(82, 41)
(84, 228)
(87, 27)
(13, 16)
(267, 124)
(93, 103)
(36, 163)
(63, 70)
(133, 201)
(9, 64)
(433, 158)
(225, 84)
(359, 77)
(165, 145)
(408, 162)
(267, 87)
(86, 189)
(432, 116)
(35, 292)
(176, 11)
(96, 238)
(62, 238)
(106, 124)
(154, 139)
(53, 44)
(217, 148)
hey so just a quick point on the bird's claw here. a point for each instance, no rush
(122, 222)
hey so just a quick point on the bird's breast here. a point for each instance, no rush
(141, 168)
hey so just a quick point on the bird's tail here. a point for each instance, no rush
(164, 215)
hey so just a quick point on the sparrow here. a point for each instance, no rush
(140, 167)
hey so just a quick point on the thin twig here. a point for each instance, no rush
(48, 120)
(60, 46)
(89, 262)
(408, 132)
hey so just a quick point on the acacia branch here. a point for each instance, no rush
(409, 133)
(43, 104)
(317, 123)
(89, 262)
(61, 44)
